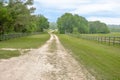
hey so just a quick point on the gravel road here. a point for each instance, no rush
(49, 62)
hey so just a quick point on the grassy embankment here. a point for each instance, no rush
(33, 41)
(102, 61)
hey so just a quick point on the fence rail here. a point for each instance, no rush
(111, 40)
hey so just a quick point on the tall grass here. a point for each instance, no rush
(102, 61)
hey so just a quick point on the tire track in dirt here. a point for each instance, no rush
(49, 62)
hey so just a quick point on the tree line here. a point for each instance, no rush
(69, 23)
(17, 16)
(114, 28)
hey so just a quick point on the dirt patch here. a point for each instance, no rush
(50, 62)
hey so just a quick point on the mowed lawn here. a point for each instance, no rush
(8, 54)
(33, 41)
(102, 61)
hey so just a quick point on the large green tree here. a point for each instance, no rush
(21, 14)
(81, 24)
(68, 23)
(43, 23)
(17, 16)
(65, 23)
(5, 19)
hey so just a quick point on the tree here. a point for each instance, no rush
(68, 23)
(98, 27)
(16, 16)
(65, 23)
(42, 23)
(5, 19)
(21, 14)
(81, 23)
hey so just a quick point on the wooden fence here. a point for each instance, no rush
(111, 40)
(104, 39)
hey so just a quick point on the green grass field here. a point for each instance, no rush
(33, 41)
(100, 60)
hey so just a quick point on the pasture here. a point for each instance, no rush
(110, 39)
(102, 61)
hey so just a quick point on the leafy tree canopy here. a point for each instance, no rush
(68, 23)
(98, 27)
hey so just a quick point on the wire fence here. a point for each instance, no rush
(15, 35)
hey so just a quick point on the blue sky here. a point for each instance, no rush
(107, 11)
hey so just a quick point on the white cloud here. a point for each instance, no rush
(81, 5)
(96, 7)
(107, 20)
(62, 4)
(56, 2)
(90, 8)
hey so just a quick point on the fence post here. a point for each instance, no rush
(105, 40)
(109, 40)
(113, 40)
(0, 37)
(101, 39)
(119, 40)
(98, 39)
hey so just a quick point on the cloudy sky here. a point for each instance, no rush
(107, 11)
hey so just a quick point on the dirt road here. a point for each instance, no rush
(49, 62)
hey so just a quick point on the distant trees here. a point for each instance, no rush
(98, 27)
(16, 16)
(53, 26)
(69, 23)
(114, 28)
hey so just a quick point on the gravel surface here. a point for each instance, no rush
(49, 62)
